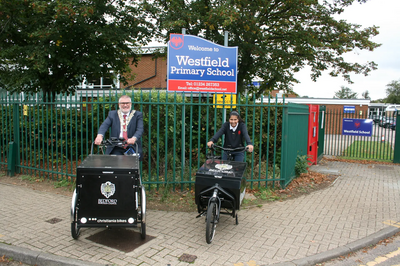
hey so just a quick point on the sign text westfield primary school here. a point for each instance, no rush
(198, 65)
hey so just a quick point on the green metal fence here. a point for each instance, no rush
(49, 139)
(381, 145)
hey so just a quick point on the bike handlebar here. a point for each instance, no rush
(238, 149)
(115, 142)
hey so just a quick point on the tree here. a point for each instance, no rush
(275, 38)
(393, 92)
(345, 93)
(51, 45)
(365, 95)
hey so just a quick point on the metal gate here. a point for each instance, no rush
(379, 146)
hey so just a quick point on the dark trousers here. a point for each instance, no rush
(121, 151)
(118, 151)
(237, 156)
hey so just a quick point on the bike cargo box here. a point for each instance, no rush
(228, 174)
(105, 184)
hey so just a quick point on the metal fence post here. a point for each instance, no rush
(396, 156)
(321, 133)
(11, 159)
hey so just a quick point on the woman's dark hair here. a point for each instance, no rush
(236, 113)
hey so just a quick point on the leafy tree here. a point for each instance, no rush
(378, 101)
(276, 38)
(393, 92)
(345, 93)
(365, 95)
(50, 45)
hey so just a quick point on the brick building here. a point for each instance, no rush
(150, 72)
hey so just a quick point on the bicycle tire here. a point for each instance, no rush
(211, 222)
(75, 230)
(142, 212)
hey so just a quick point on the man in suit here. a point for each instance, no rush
(125, 123)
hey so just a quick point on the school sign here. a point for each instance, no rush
(198, 65)
(357, 127)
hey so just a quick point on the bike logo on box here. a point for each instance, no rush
(107, 189)
(223, 166)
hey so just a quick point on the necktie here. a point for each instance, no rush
(125, 132)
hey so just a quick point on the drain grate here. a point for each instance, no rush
(54, 220)
(187, 258)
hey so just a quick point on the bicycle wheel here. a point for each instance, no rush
(142, 213)
(75, 230)
(211, 222)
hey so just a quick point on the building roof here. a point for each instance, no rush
(324, 101)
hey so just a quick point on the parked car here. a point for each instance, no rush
(387, 122)
(392, 126)
(376, 118)
(382, 121)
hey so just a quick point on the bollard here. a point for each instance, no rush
(11, 158)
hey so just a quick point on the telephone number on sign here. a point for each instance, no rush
(213, 84)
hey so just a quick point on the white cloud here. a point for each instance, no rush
(382, 13)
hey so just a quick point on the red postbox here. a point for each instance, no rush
(312, 150)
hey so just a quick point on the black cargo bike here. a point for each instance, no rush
(109, 192)
(219, 188)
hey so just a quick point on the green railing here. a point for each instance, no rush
(49, 139)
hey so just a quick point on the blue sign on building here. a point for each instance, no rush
(349, 109)
(198, 65)
(357, 127)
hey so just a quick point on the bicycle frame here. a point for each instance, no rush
(219, 194)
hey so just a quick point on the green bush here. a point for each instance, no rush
(302, 164)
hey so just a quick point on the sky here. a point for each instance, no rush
(382, 13)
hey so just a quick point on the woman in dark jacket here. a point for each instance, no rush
(235, 132)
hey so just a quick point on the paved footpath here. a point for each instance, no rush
(360, 208)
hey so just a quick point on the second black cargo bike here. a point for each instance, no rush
(220, 187)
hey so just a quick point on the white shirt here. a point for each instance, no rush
(233, 128)
(121, 134)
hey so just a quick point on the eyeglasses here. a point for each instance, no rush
(125, 103)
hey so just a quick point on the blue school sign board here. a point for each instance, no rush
(198, 65)
(357, 127)
(349, 109)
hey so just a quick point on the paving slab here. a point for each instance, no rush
(360, 208)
